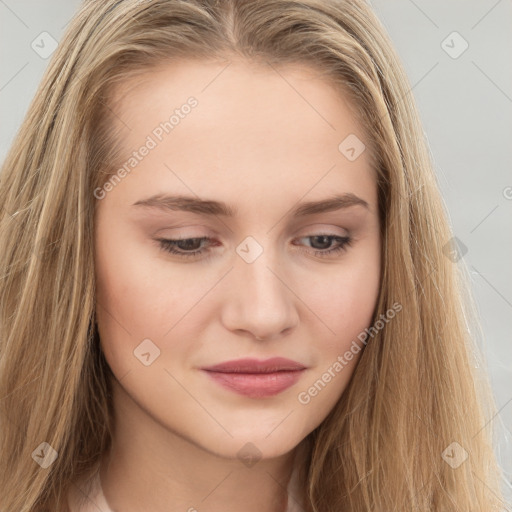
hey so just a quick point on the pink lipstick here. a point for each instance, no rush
(254, 378)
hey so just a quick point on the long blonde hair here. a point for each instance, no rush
(418, 386)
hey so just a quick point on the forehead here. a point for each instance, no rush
(237, 87)
(254, 129)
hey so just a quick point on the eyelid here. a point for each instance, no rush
(311, 230)
(324, 229)
(314, 228)
(189, 230)
(341, 245)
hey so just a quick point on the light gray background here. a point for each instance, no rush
(466, 109)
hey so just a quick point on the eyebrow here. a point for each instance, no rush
(218, 208)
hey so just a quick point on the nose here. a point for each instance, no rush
(259, 298)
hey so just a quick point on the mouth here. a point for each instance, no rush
(256, 379)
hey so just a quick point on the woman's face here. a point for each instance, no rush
(256, 156)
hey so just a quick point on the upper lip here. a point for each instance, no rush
(248, 365)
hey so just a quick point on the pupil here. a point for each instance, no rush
(190, 244)
(326, 241)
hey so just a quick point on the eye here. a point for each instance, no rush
(192, 247)
(182, 246)
(324, 240)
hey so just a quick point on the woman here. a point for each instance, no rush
(225, 275)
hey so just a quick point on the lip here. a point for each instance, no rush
(254, 378)
(249, 365)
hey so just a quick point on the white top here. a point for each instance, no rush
(87, 495)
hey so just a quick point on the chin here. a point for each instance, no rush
(253, 444)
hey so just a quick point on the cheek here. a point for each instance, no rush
(130, 288)
(139, 299)
(345, 300)
(127, 304)
(354, 303)
(345, 307)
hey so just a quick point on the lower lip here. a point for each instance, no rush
(257, 385)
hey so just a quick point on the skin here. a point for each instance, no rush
(262, 142)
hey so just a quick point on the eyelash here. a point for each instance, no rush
(168, 245)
